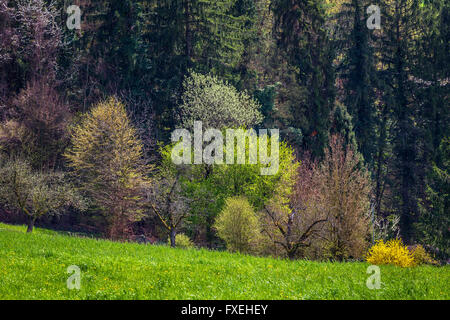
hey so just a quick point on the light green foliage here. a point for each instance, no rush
(217, 104)
(238, 225)
(35, 267)
(282, 225)
(183, 241)
(209, 186)
(246, 179)
(284, 185)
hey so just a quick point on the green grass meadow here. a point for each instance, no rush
(34, 266)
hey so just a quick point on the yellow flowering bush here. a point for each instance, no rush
(391, 252)
(421, 256)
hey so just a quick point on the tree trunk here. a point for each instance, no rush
(31, 221)
(172, 237)
(291, 253)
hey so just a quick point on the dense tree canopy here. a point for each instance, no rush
(311, 69)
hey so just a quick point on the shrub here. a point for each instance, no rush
(238, 225)
(421, 256)
(392, 252)
(183, 241)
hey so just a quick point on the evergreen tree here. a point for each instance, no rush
(341, 124)
(205, 36)
(431, 75)
(433, 225)
(360, 76)
(399, 28)
(300, 32)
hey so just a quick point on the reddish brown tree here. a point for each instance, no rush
(9, 46)
(43, 113)
(345, 189)
(35, 119)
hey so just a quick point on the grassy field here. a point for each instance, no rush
(34, 266)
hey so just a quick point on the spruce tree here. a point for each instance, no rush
(399, 28)
(360, 78)
(300, 32)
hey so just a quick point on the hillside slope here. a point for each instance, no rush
(34, 266)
